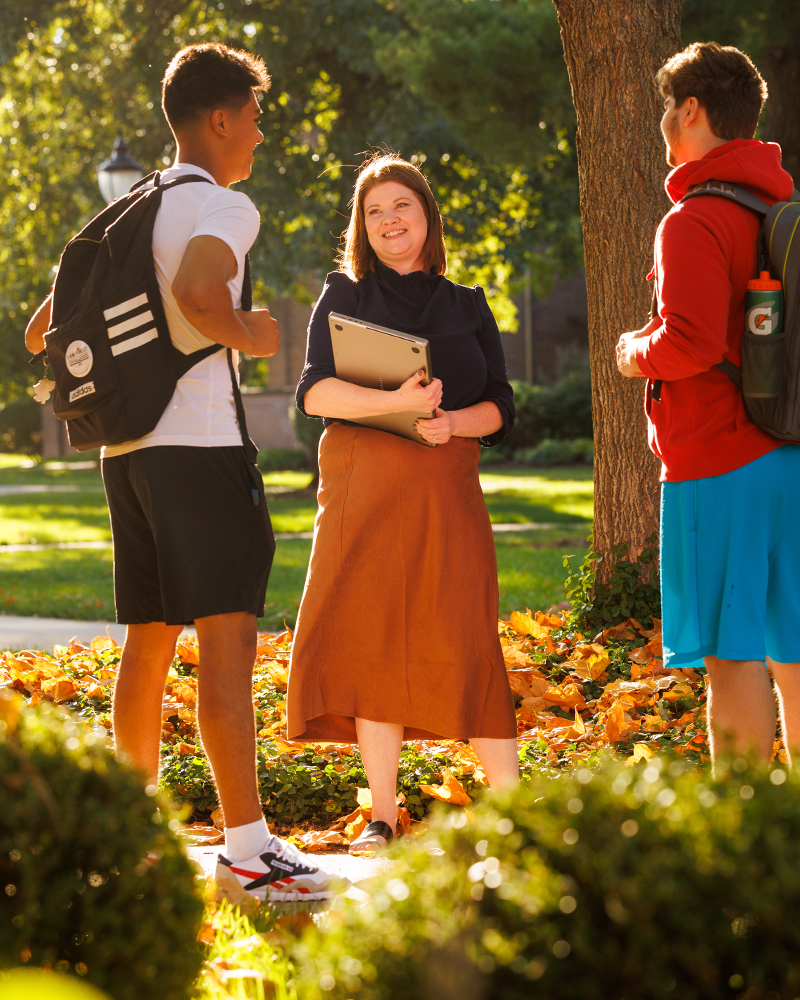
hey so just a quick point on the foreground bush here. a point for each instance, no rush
(79, 895)
(35, 984)
(620, 884)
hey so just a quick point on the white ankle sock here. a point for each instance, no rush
(243, 842)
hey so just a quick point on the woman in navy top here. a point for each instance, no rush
(397, 630)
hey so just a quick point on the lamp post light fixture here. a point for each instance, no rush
(119, 172)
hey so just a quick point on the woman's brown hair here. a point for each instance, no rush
(357, 258)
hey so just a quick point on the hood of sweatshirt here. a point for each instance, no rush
(754, 165)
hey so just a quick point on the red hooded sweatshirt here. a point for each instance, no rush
(705, 254)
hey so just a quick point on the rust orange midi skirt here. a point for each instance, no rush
(398, 621)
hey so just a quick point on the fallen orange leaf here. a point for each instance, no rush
(589, 668)
(354, 829)
(567, 695)
(451, 790)
(286, 746)
(641, 751)
(198, 834)
(515, 657)
(618, 724)
(103, 642)
(525, 625)
(188, 650)
(60, 690)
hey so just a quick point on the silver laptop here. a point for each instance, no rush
(379, 358)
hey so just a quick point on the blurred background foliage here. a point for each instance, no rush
(475, 92)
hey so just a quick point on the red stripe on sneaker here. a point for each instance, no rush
(243, 871)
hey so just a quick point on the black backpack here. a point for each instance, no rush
(770, 373)
(108, 347)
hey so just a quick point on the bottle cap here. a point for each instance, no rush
(763, 283)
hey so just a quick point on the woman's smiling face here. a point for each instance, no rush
(396, 225)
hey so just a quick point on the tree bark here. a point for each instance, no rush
(781, 65)
(613, 49)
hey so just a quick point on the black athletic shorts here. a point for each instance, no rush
(189, 541)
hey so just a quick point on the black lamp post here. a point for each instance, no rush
(116, 174)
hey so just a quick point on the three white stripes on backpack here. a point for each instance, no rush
(130, 324)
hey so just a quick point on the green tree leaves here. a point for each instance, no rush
(461, 87)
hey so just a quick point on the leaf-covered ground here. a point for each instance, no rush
(576, 696)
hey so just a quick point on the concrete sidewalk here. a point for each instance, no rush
(498, 529)
(43, 633)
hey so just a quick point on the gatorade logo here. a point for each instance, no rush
(83, 390)
(760, 319)
(79, 358)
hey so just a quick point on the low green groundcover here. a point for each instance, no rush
(620, 883)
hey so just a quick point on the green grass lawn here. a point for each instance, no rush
(78, 583)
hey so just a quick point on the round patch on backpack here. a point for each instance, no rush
(79, 358)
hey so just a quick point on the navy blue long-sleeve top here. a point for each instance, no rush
(466, 351)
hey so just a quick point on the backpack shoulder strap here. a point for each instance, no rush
(187, 179)
(730, 192)
(247, 305)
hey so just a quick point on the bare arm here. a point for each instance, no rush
(333, 397)
(476, 421)
(202, 293)
(38, 326)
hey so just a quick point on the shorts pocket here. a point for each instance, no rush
(762, 365)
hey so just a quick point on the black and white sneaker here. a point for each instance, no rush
(280, 874)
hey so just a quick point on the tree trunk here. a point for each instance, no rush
(613, 49)
(781, 65)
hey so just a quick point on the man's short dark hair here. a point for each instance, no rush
(209, 76)
(725, 82)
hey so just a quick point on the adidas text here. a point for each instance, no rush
(83, 390)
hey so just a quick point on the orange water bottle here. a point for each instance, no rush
(763, 306)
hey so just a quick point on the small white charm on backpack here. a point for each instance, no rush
(42, 390)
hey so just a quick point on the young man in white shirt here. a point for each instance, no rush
(192, 535)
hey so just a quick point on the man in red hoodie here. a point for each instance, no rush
(730, 535)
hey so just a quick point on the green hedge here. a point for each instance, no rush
(559, 411)
(20, 426)
(281, 459)
(642, 883)
(79, 895)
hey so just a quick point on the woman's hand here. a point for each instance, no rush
(413, 396)
(438, 429)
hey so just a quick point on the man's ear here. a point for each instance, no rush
(219, 122)
(690, 112)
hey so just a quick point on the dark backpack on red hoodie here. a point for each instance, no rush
(770, 373)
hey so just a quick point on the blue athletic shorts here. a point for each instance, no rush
(730, 563)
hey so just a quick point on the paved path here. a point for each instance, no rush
(6, 491)
(285, 535)
(44, 633)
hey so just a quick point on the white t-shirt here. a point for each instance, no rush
(201, 412)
